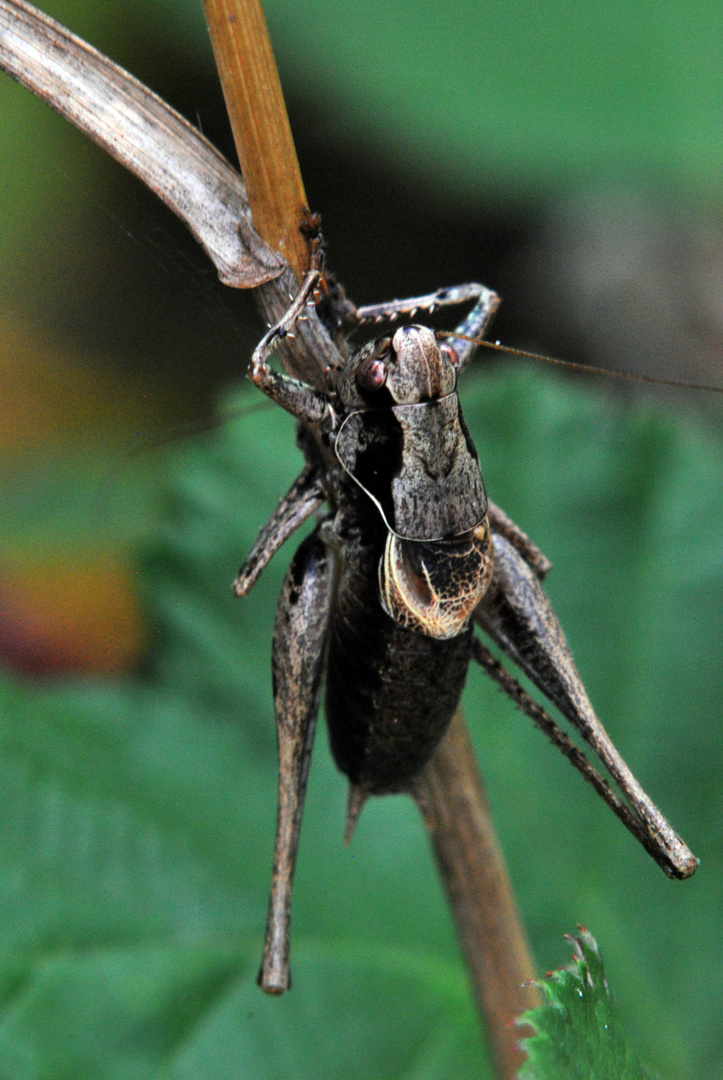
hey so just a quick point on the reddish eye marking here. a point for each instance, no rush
(450, 353)
(372, 376)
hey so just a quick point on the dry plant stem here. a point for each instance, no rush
(261, 131)
(450, 791)
(270, 167)
(454, 806)
(143, 133)
(169, 155)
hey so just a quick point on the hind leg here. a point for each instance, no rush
(302, 617)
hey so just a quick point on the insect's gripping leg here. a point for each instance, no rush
(474, 326)
(487, 301)
(305, 495)
(516, 613)
(296, 397)
(302, 617)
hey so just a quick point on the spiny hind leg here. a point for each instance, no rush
(302, 618)
(517, 615)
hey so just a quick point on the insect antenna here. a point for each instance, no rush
(679, 384)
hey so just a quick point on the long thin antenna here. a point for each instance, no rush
(589, 368)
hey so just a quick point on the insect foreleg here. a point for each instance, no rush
(487, 304)
(475, 325)
(518, 616)
(392, 309)
(296, 397)
(304, 496)
(300, 629)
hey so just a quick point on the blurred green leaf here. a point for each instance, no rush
(523, 97)
(136, 818)
(577, 1036)
(194, 1010)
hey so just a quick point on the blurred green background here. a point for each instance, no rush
(569, 157)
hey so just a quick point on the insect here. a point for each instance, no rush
(381, 599)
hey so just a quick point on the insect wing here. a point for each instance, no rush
(419, 465)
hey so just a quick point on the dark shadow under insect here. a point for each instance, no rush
(381, 599)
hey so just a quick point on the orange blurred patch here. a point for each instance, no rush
(79, 617)
(50, 396)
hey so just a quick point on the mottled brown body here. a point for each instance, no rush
(419, 465)
(382, 596)
(391, 692)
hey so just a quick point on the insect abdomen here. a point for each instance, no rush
(390, 692)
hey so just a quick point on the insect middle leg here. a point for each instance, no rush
(302, 618)
(529, 551)
(303, 498)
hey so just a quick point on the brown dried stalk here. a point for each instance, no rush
(260, 126)
(143, 133)
(450, 793)
(492, 937)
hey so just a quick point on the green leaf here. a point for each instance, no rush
(134, 863)
(137, 817)
(183, 1011)
(524, 97)
(577, 1033)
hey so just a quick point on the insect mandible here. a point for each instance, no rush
(381, 599)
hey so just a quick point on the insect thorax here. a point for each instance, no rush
(404, 442)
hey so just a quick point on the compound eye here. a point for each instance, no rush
(450, 353)
(371, 375)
